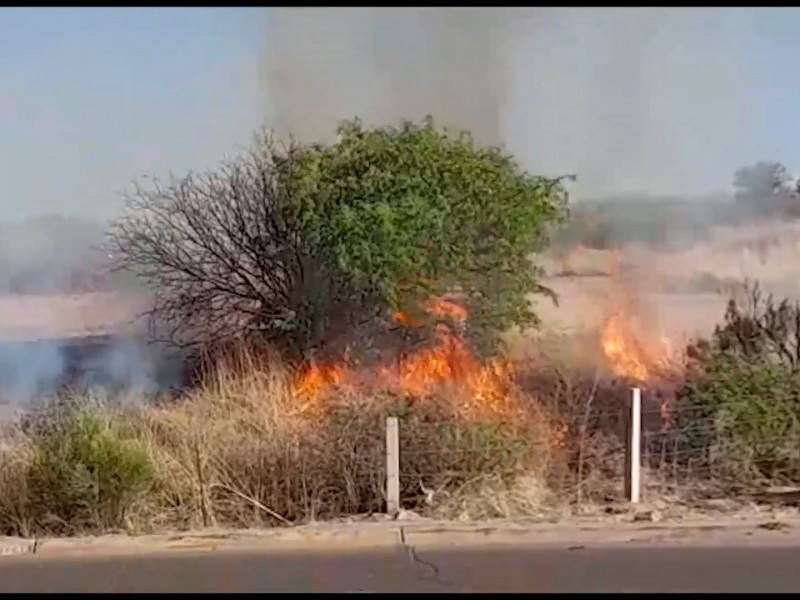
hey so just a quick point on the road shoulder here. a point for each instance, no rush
(766, 529)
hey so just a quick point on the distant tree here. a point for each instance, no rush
(764, 189)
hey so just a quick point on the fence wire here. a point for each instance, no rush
(684, 451)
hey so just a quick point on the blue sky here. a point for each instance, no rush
(91, 99)
(667, 100)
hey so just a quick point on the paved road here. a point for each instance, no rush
(611, 569)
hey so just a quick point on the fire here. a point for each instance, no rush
(629, 354)
(480, 388)
(449, 362)
(626, 355)
(629, 358)
(318, 378)
(403, 318)
(443, 307)
(635, 356)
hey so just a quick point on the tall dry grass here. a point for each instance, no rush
(243, 450)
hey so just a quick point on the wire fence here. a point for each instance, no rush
(632, 451)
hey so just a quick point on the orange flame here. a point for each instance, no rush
(403, 318)
(482, 389)
(442, 307)
(629, 354)
(318, 378)
(626, 355)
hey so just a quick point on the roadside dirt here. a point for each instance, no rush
(765, 526)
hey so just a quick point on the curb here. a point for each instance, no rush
(401, 534)
(14, 547)
(280, 539)
(700, 532)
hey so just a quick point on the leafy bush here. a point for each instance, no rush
(86, 471)
(740, 406)
(304, 246)
(745, 418)
(417, 211)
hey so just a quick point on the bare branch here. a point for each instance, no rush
(224, 260)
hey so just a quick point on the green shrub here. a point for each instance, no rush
(413, 211)
(86, 472)
(304, 246)
(740, 405)
(743, 417)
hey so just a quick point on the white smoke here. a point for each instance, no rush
(635, 99)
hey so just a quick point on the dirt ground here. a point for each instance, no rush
(752, 526)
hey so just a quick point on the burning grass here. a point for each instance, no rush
(249, 448)
(259, 444)
(447, 371)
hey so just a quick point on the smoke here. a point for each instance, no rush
(654, 108)
(630, 100)
(114, 365)
(63, 322)
(385, 65)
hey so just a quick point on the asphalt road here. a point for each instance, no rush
(532, 569)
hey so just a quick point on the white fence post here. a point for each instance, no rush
(633, 452)
(392, 466)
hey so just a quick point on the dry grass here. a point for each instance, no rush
(16, 458)
(240, 451)
(244, 451)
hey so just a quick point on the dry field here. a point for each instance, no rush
(482, 440)
(37, 317)
(673, 295)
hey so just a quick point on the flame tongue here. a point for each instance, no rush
(631, 352)
(480, 388)
(626, 355)
(623, 349)
(318, 378)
